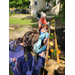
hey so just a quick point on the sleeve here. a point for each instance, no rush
(41, 50)
(24, 66)
(36, 47)
(38, 65)
(45, 35)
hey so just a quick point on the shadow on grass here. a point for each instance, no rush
(32, 18)
(34, 25)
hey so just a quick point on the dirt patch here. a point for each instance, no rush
(60, 71)
(61, 41)
(20, 31)
(16, 26)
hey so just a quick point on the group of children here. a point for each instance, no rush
(24, 51)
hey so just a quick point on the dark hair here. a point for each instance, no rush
(29, 39)
(17, 41)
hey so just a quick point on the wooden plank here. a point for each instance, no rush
(11, 28)
(56, 46)
(47, 49)
(52, 28)
(46, 61)
(47, 53)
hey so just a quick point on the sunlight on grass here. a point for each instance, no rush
(19, 21)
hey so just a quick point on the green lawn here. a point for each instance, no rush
(18, 22)
(21, 21)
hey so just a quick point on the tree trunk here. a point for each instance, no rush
(62, 14)
(59, 9)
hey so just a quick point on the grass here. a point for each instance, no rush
(23, 24)
(20, 21)
(10, 72)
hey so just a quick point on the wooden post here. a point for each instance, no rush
(47, 49)
(47, 52)
(56, 46)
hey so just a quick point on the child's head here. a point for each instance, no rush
(29, 39)
(43, 26)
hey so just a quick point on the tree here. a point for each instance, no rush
(19, 4)
(53, 2)
(62, 7)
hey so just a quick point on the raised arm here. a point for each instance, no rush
(37, 45)
(45, 35)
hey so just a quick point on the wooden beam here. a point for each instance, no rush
(47, 49)
(52, 28)
(11, 28)
(48, 46)
(56, 46)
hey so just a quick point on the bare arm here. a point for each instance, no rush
(39, 23)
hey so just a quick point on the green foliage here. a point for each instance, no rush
(19, 3)
(62, 20)
(53, 2)
(56, 16)
(51, 37)
(13, 12)
(54, 53)
(63, 58)
(62, 9)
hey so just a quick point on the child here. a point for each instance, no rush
(44, 30)
(21, 56)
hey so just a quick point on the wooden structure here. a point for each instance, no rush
(48, 47)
